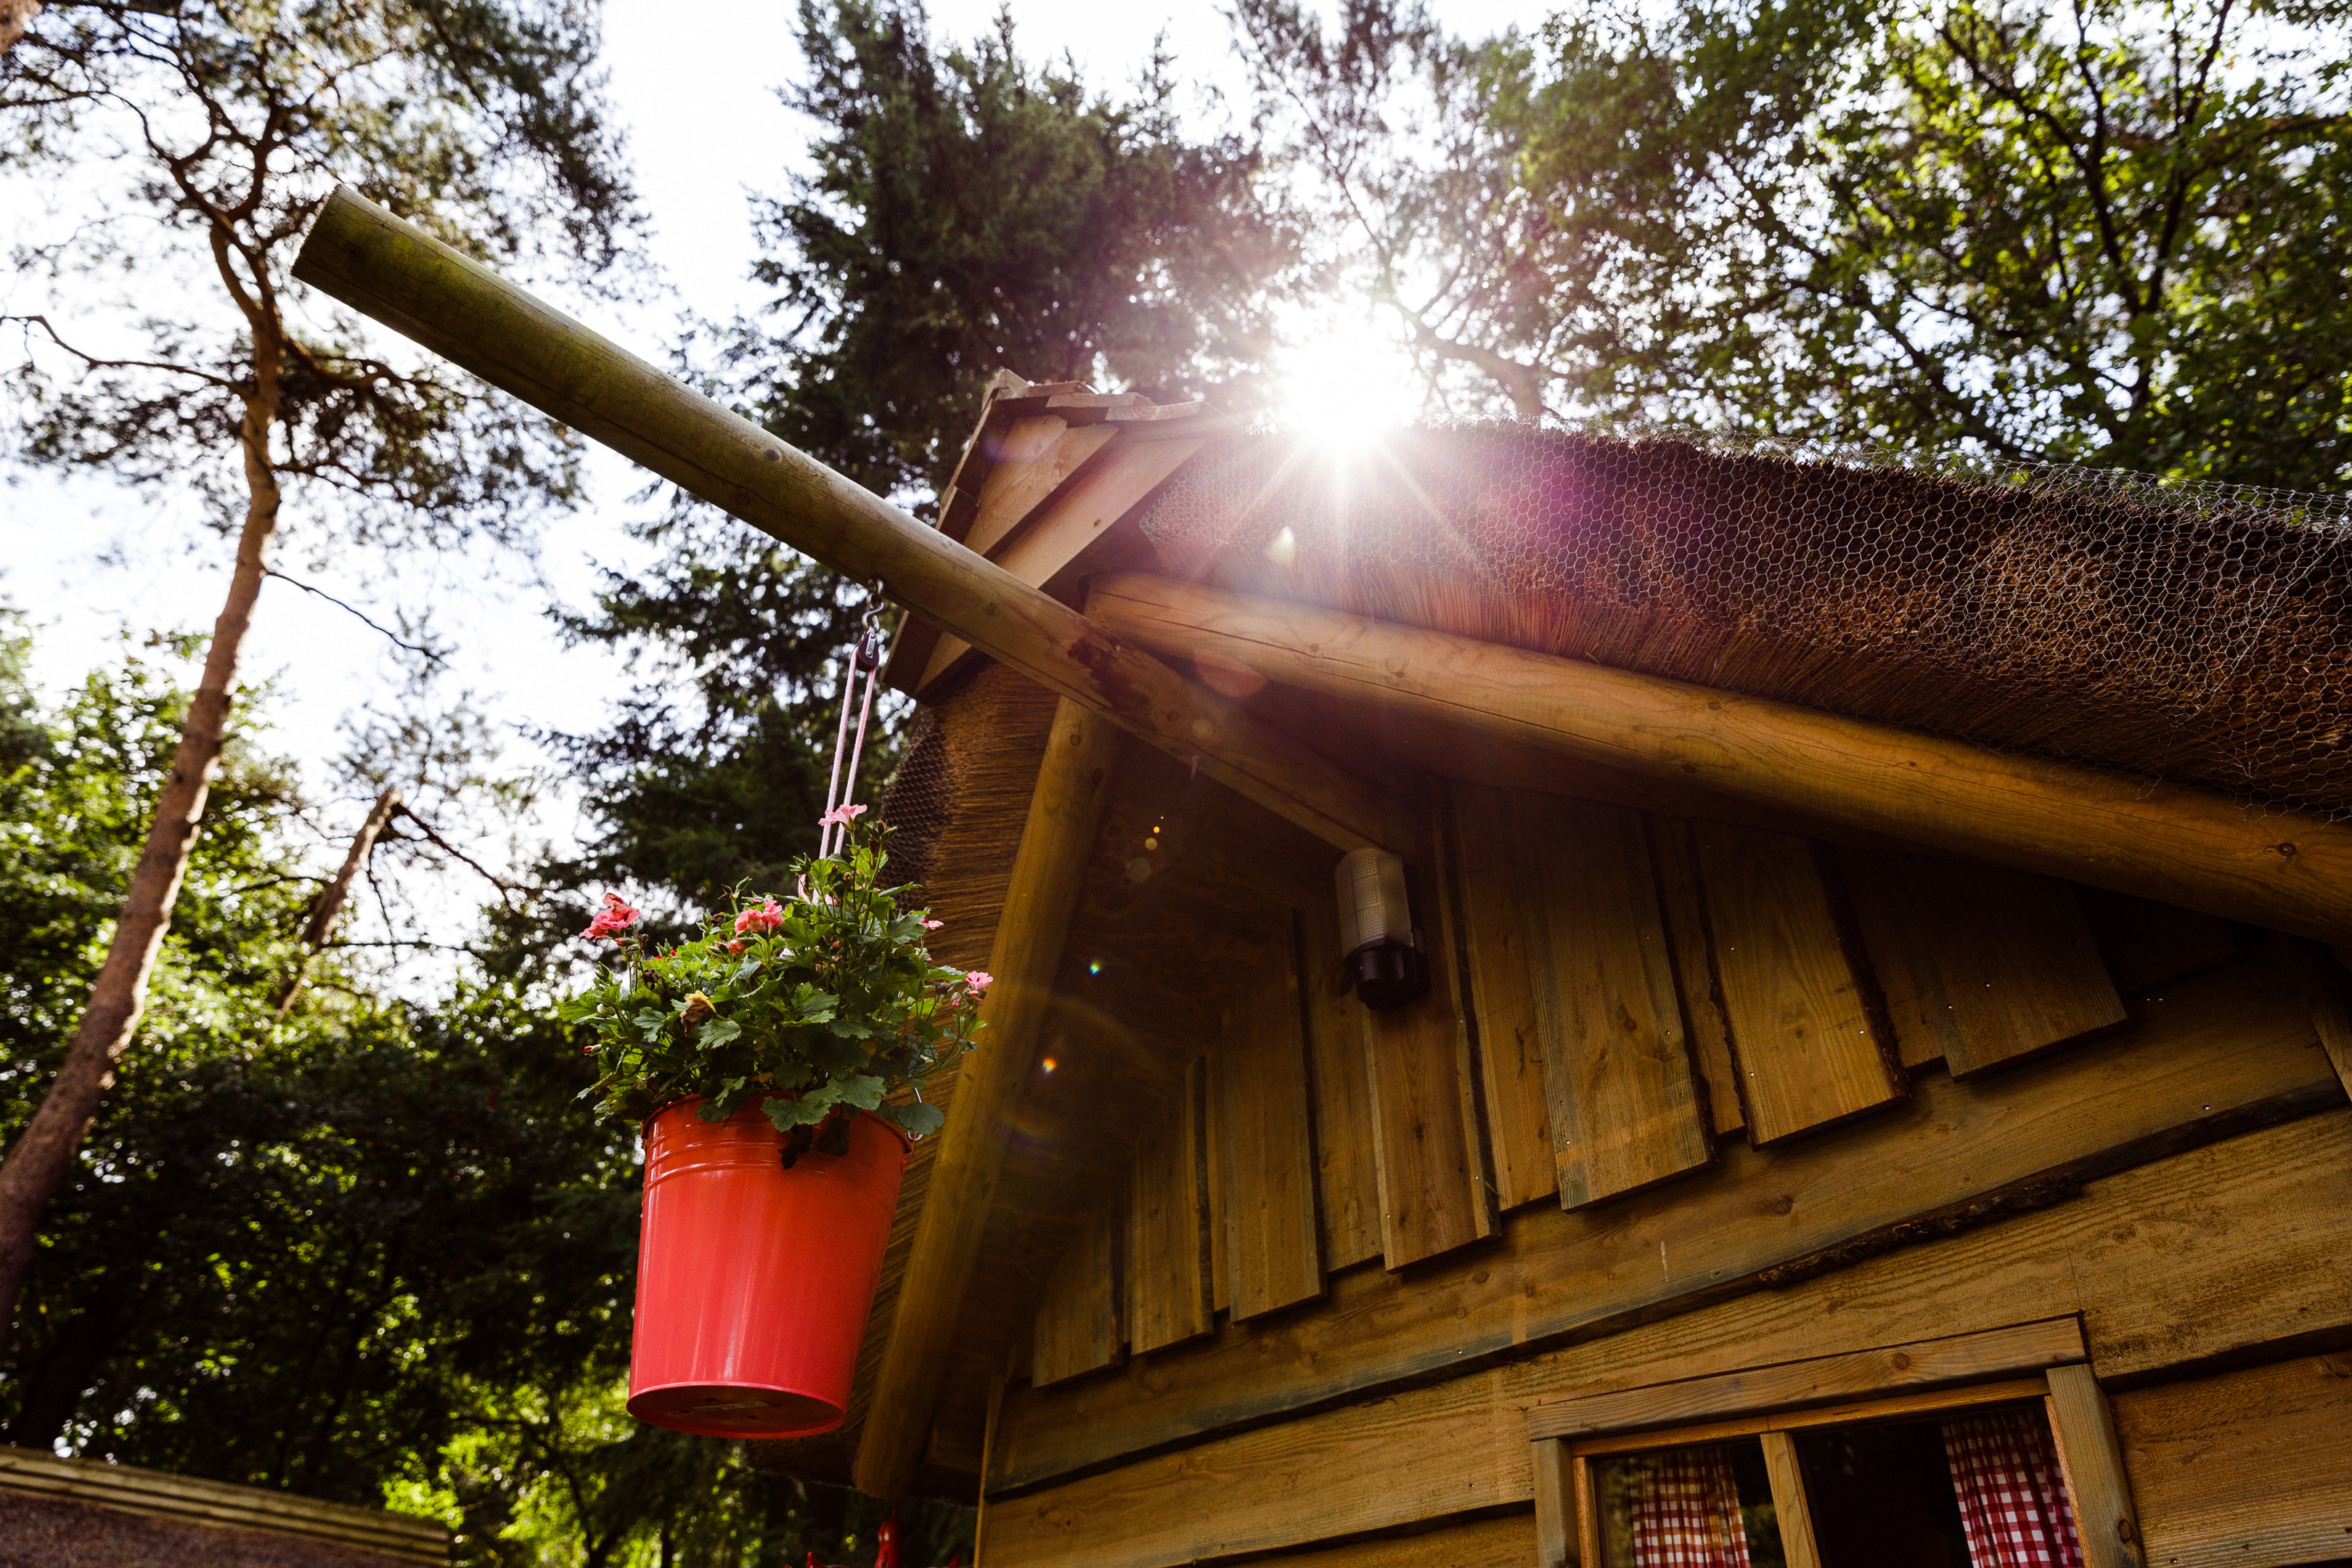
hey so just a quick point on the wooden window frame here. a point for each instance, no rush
(2046, 1361)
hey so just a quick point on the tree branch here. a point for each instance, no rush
(361, 615)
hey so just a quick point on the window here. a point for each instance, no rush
(1951, 1461)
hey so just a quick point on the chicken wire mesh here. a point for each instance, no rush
(2199, 633)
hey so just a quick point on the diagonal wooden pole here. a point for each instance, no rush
(368, 260)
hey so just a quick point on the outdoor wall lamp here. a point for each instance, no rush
(1383, 951)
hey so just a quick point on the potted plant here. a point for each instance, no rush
(762, 1059)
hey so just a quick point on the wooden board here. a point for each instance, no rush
(1979, 965)
(1498, 928)
(1559, 1517)
(1793, 1512)
(2084, 1429)
(378, 1534)
(1345, 1472)
(2327, 993)
(1675, 859)
(1882, 1369)
(2234, 1049)
(2150, 946)
(1040, 453)
(1463, 1442)
(1622, 1090)
(1266, 1157)
(1428, 1145)
(2251, 1467)
(1079, 1328)
(1805, 1022)
(1038, 548)
(1482, 1543)
(1347, 1176)
(1168, 1279)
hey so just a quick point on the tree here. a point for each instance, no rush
(965, 212)
(375, 1250)
(968, 212)
(2106, 233)
(477, 117)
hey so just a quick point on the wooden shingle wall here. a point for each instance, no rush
(1615, 995)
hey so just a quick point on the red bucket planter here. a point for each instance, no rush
(753, 1281)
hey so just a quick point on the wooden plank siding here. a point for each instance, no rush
(1979, 965)
(1624, 1104)
(1676, 861)
(1806, 1023)
(1501, 930)
(2252, 1467)
(1437, 1450)
(1856, 1374)
(1347, 1176)
(1428, 1142)
(1167, 1267)
(2232, 1048)
(1079, 1326)
(1264, 1163)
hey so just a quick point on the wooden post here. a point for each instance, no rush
(2170, 842)
(391, 270)
(1790, 1509)
(1556, 1521)
(2085, 1429)
(1065, 814)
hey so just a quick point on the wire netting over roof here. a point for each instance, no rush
(2200, 632)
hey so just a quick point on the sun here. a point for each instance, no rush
(1344, 384)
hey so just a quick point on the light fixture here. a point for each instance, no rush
(1383, 951)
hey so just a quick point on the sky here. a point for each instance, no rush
(695, 89)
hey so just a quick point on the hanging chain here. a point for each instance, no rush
(866, 650)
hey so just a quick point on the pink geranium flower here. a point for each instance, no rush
(841, 815)
(933, 925)
(979, 980)
(612, 919)
(761, 917)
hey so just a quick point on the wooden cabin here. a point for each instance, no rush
(1879, 1094)
(1744, 1169)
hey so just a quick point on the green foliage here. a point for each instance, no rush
(812, 1007)
(77, 789)
(375, 1253)
(2106, 233)
(714, 771)
(969, 213)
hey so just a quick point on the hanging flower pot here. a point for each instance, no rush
(762, 1055)
(753, 1281)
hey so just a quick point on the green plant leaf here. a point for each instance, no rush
(916, 1120)
(716, 1032)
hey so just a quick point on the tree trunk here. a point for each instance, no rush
(16, 16)
(39, 1163)
(330, 907)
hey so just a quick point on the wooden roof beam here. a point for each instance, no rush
(2171, 842)
(399, 275)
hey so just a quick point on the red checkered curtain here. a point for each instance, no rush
(2013, 1501)
(1685, 1511)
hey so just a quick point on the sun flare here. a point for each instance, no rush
(1344, 385)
